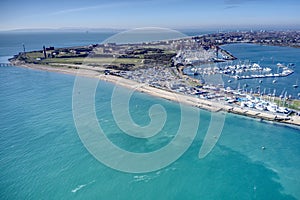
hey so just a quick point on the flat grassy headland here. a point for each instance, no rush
(110, 56)
(159, 67)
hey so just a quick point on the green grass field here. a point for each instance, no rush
(32, 56)
(292, 104)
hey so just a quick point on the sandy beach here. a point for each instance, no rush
(213, 106)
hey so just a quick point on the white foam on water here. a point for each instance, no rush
(78, 188)
(81, 186)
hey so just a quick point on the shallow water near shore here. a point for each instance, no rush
(42, 155)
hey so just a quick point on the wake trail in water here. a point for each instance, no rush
(79, 187)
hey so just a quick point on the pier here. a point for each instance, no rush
(283, 74)
(242, 71)
(6, 65)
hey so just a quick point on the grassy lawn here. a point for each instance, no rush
(93, 60)
(293, 104)
(34, 55)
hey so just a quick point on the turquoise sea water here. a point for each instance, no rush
(42, 157)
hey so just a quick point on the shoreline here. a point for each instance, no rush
(212, 106)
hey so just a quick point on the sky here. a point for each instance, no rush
(127, 14)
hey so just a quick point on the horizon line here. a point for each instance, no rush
(207, 27)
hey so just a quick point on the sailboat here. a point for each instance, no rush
(281, 95)
(295, 85)
(273, 95)
(264, 92)
(274, 81)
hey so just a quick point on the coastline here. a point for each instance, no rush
(213, 106)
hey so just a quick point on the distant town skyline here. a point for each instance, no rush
(127, 14)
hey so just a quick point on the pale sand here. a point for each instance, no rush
(213, 106)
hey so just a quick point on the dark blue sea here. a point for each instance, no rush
(42, 156)
(268, 56)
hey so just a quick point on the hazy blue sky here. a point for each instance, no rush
(16, 14)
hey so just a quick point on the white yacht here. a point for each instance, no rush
(259, 106)
(272, 107)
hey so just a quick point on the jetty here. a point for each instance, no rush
(6, 64)
(286, 72)
(241, 71)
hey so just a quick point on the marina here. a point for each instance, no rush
(237, 71)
